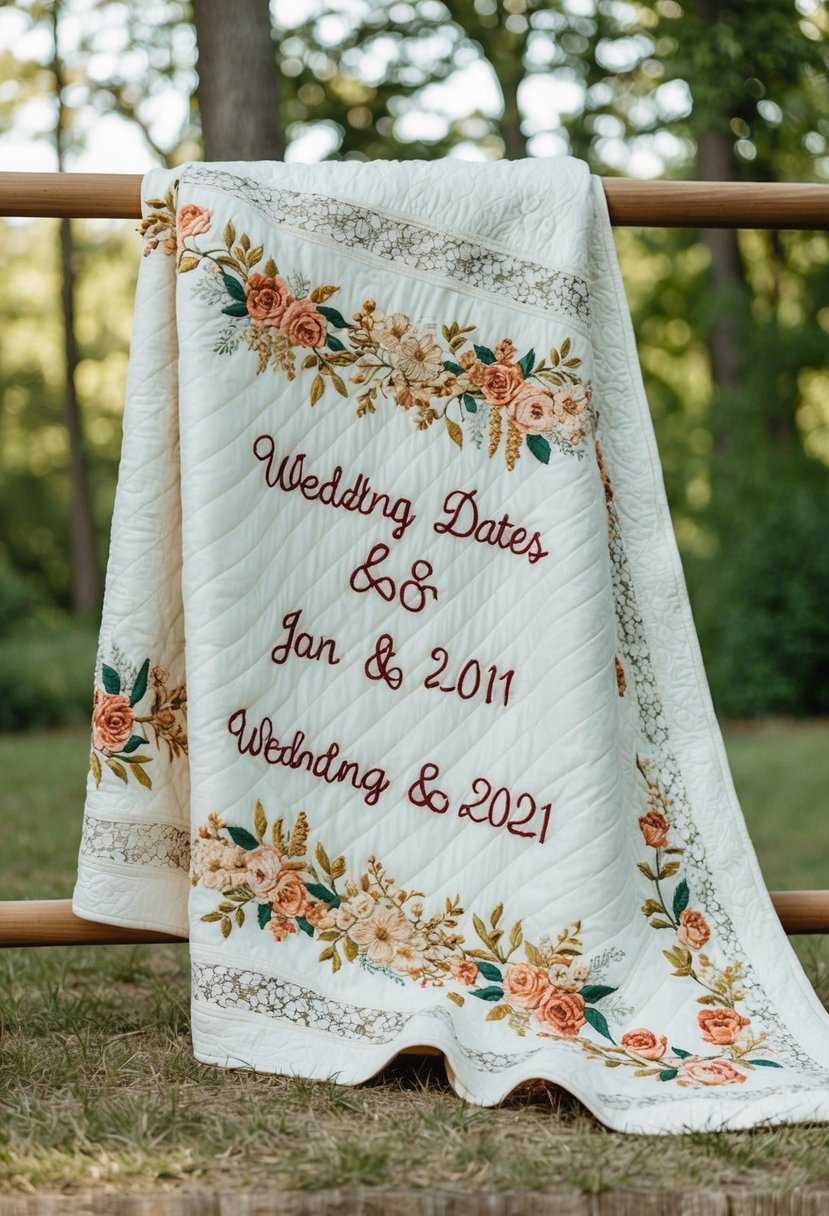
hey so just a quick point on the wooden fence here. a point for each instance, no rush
(630, 203)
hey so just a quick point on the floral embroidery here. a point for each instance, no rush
(487, 392)
(548, 989)
(118, 731)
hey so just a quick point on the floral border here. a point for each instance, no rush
(120, 734)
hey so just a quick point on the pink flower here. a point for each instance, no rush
(569, 403)
(525, 985)
(531, 409)
(112, 720)
(500, 382)
(280, 926)
(721, 1026)
(304, 323)
(563, 1012)
(383, 935)
(264, 866)
(695, 1072)
(693, 929)
(654, 827)
(645, 1043)
(463, 969)
(193, 220)
(288, 895)
(267, 298)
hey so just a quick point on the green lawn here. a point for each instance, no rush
(98, 1084)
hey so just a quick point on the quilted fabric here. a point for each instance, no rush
(399, 713)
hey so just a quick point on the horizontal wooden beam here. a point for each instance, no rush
(51, 922)
(631, 203)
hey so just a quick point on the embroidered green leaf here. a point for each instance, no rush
(320, 892)
(305, 926)
(133, 743)
(141, 777)
(244, 838)
(236, 309)
(765, 1063)
(487, 994)
(595, 992)
(233, 287)
(598, 1021)
(668, 1074)
(263, 914)
(260, 821)
(334, 343)
(484, 354)
(470, 403)
(336, 318)
(680, 1051)
(539, 447)
(454, 431)
(681, 896)
(526, 364)
(454, 368)
(490, 972)
(140, 685)
(111, 679)
(118, 769)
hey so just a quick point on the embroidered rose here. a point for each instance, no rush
(500, 382)
(559, 970)
(721, 1026)
(563, 1012)
(463, 969)
(383, 934)
(569, 403)
(280, 926)
(693, 929)
(695, 1072)
(304, 323)
(645, 1043)
(531, 409)
(289, 896)
(112, 720)
(320, 915)
(193, 220)
(526, 985)
(264, 867)
(267, 297)
(654, 827)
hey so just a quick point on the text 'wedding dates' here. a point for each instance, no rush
(496, 807)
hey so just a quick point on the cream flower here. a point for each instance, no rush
(383, 934)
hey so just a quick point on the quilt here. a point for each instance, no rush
(399, 713)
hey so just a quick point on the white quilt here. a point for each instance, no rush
(400, 714)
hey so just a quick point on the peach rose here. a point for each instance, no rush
(525, 985)
(111, 721)
(531, 409)
(304, 324)
(280, 926)
(563, 1012)
(693, 929)
(289, 896)
(696, 1072)
(264, 867)
(193, 220)
(463, 969)
(655, 828)
(500, 382)
(645, 1043)
(721, 1026)
(320, 915)
(267, 298)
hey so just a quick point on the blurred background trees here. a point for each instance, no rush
(732, 328)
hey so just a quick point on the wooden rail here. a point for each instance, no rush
(51, 922)
(631, 203)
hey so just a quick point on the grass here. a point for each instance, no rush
(98, 1085)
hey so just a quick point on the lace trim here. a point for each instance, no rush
(416, 245)
(159, 845)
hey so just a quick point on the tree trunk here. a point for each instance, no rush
(86, 580)
(238, 89)
(715, 162)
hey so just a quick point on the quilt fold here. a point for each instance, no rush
(399, 711)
